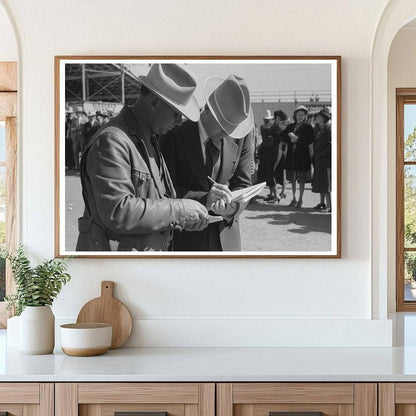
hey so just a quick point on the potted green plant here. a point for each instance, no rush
(36, 289)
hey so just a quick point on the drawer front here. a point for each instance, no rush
(296, 399)
(23, 399)
(146, 399)
(397, 399)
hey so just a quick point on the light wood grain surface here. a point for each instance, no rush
(66, 399)
(138, 393)
(365, 399)
(19, 393)
(252, 393)
(8, 76)
(386, 399)
(107, 309)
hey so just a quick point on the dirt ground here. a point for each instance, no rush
(264, 226)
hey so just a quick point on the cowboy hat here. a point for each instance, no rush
(229, 102)
(301, 108)
(268, 115)
(69, 110)
(175, 85)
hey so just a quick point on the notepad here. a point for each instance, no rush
(245, 194)
(214, 218)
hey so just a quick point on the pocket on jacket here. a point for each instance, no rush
(142, 182)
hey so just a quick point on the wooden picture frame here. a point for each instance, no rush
(275, 83)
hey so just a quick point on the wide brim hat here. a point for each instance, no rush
(175, 85)
(268, 115)
(301, 108)
(229, 102)
(69, 110)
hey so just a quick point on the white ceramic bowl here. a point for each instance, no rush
(84, 340)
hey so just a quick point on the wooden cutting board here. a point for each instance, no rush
(107, 309)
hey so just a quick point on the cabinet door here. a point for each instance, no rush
(297, 399)
(27, 399)
(397, 399)
(144, 399)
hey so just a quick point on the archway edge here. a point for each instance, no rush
(396, 14)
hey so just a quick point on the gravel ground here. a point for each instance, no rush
(264, 226)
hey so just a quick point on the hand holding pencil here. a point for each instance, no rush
(219, 199)
(217, 192)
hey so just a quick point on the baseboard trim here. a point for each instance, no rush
(173, 333)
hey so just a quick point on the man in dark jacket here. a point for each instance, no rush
(130, 202)
(210, 158)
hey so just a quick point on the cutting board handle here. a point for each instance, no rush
(107, 289)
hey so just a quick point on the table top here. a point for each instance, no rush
(212, 365)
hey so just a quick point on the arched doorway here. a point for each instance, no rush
(396, 14)
(8, 148)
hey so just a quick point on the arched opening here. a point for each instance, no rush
(8, 148)
(396, 15)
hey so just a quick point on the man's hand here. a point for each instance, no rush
(218, 192)
(223, 209)
(196, 215)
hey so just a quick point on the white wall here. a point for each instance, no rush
(179, 302)
(401, 74)
(8, 46)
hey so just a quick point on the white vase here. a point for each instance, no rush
(13, 331)
(37, 330)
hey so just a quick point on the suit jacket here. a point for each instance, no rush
(183, 154)
(126, 200)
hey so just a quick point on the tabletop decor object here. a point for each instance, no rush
(36, 289)
(107, 309)
(85, 340)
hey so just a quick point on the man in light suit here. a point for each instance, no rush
(219, 146)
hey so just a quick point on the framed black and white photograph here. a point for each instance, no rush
(198, 156)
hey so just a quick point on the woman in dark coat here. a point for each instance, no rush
(267, 154)
(321, 182)
(299, 137)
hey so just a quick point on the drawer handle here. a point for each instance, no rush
(296, 414)
(139, 414)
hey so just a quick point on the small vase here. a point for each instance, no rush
(13, 331)
(37, 330)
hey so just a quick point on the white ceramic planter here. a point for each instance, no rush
(13, 331)
(37, 330)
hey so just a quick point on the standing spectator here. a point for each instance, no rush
(93, 125)
(106, 117)
(69, 154)
(267, 156)
(281, 121)
(321, 182)
(77, 134)
(299, 139)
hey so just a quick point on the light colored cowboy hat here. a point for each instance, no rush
(175, 85)
(301, 108)
(229, 102)
(268, 115)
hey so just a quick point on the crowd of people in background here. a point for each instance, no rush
(80, 126)
(296, 153)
